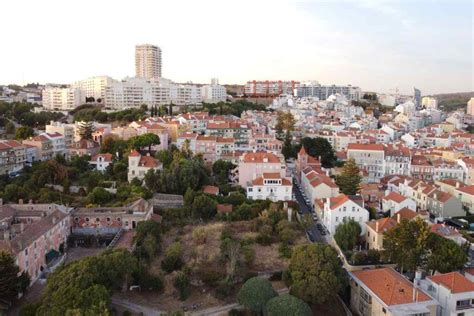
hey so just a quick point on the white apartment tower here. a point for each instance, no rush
(147, 61)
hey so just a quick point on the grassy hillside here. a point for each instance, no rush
(453, 101)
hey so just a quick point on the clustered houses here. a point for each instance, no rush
(36, 234)
(13, 156)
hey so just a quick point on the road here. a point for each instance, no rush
(305, 209)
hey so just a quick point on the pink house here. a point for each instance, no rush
(206, 145)
(33, 234)
(254, 164)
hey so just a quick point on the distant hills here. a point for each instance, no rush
(453, 101)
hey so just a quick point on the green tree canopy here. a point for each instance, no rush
(144, 141)
(9, 280)
(287, 305)
(320, 148)
(405, 244)
(347, 234)
(349, 180)
(24, 132)
(316, 273)
(204, 207)
(255, 293)
(445, 255)
(86, 129)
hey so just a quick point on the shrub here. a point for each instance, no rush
(172, 260)
(373, 256)
(181, 284)
(358, 258)
(200, 235)
(224, 290)
(287, 304)
(249, 254)
(286, 278)
(284, 250)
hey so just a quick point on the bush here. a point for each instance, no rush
(249, 254)
(373, 256)
(284, 250)
(181, 284)
(276, 276)
(286, 278)
(358, 258)
(223, 291)
(148, 281)
(200, 235)
(172, 260)
(287, 304)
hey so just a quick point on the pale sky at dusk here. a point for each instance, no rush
(376, 45)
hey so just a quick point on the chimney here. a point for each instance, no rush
(398, 218)
(6, 235)
(20, 201)
(54, 219)
(457, 185)
(377, 226)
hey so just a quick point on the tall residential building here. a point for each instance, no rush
(94, 87)
(470, 107)
(147, 61)
(62, 99)
(417, 96)
(269, 88)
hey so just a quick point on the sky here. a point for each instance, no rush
(374, 44)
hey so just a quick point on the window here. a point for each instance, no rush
(87, 219)
(97, 219)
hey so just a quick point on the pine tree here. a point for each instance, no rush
(349, 180)
(288, 150)
(86, 129)
(9, 281)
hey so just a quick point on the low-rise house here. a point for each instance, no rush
(254, 164)
(466, 195)
(84, 147)
(393, 202)
(139, 165)
(342, 208)
(384, 291)
(270, 186)
(444, 169)
(211, 190)
(448, 233)
(59, 143)
(304, 161)
(444, 205)
(318, 186)
(377, 228)
(100, 162)
(34, 234)
(109, 220)
(43, 145)
(12, 156)
(453, 291)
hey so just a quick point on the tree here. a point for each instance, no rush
(288, 149)
(287, 305)
(10, 284)
(172, 260)
(100, 196)
(145, 140)
(316, 273)
(181, 284)
(204, 207)
(10, 128)
(347, 234)
(86, 129)
(221, 169)
(285, 122)
(405, 244)
(320, 148)
(349, 180)
(24, 132)
(255, 293)
(445, 255)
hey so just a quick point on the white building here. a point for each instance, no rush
(429, 102)
(342, 208)
(270, 186)
(453, 291)
(147, 61)
(58, 143)
(139, 165)
(100, 162)
(315, 89)
(62, 99)
(214, 92)
(67, 130)
(94, 87)
(317, 186)
(394, 202)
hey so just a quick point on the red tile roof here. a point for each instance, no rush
(371, 147)
(148, 161)
(107, 157)
(469, 189)
(454, 281)
(260, 157)
(210, 189)
(394, 196)
(134, 153)
(337, 201)
(390, 286)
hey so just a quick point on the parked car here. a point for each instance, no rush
(310, 236)
(315, 217)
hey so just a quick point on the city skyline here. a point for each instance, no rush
(424, 44)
